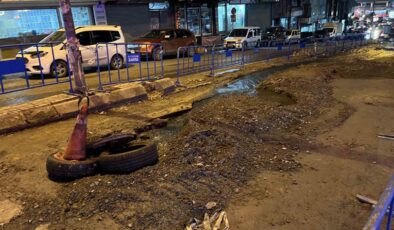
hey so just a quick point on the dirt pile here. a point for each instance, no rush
(223, 143)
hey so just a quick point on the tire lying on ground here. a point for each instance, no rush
(63, 170)
(128, 158)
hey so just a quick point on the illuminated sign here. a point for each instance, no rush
(159, 5)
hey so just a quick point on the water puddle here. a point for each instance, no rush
(246, 85)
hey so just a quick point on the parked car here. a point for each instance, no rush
(169, 39)
(243, 37)
(293, 35)
(52, 59)
(274, 33)
(307, 36)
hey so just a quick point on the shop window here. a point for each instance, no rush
(82, 16)
(19, 23)
(196, 19)
(224, 17)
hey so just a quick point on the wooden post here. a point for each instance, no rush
(74, 54)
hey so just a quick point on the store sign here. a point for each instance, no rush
(196, 57)
(159, 5)
(133, 58)
(100, 15)
(242, 1)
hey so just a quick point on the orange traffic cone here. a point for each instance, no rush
(76, 149)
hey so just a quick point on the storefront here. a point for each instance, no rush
(196, 18)
(32, 20)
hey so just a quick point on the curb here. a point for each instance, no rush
(63, 106)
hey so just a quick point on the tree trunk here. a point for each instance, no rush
(74, 54)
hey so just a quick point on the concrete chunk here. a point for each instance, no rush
(165, 85)
(8, 211)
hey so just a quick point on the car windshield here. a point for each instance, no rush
(154, 34)
(58, 36)
(288, 33)
(239, 33)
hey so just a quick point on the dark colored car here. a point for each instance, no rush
(169, 39)
(274, 33)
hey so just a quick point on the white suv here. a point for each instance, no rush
(246, 37)
(50, 55)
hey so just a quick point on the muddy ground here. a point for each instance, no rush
(291, 155)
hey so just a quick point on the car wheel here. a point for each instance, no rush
(64, 170)
(59, 68)
(157, 54)
(128, 158)
(116, 62)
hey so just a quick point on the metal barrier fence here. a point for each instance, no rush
(33, 65)
(383, 209)
(190, 60)
(128, 62)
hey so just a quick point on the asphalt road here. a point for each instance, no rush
(146, 70)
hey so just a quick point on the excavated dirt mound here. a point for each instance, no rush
(220, 145)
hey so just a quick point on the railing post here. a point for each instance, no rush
(212, 74)
(100, 87)
(177, 68)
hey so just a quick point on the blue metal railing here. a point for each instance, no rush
(383, 208)
(25, 61)
(129, 62)
(237, 54)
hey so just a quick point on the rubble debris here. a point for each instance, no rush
(215, 222)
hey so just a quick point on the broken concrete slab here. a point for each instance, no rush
(168, 112)
(164, 85)
(40, 114)
(8, 211)
(12, 120)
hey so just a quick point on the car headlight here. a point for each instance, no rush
(42, 54)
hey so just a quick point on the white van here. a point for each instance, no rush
(88, 37)
(293, 35)
(246, 36)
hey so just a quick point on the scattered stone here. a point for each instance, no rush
(43, 227)
(8, 211)
(210, 205)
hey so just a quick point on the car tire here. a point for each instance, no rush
(128, 159)
(61, 69)
(116, 62)
(63, 170)
(156, 54)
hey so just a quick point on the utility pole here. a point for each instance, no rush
(74, 54)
